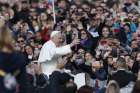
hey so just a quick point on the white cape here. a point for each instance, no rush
(49, 56)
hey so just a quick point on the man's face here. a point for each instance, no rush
(58, 39)
(20, 42)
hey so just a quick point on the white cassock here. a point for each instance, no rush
(49, 56)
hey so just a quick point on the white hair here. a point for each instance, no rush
(54, 33)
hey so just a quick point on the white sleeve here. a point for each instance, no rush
(47, 53)
(63, 50)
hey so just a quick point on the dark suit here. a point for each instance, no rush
(123, 77)
(57, 79)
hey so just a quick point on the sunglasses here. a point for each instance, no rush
(20, 41)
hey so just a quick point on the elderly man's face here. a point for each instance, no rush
(58, 39)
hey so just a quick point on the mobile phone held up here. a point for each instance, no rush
(103, 42)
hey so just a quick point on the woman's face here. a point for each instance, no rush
(105, 32)
(28, 50)
(83, 35)
(88, 57)
(127, 29)
(73, 8)
(99, 10)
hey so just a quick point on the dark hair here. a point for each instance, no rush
(89, 53)
(70, 87)
(85, 89)
(128, 25)
(108, 30)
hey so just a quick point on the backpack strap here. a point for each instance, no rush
(3, 73)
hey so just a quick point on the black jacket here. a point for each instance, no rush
(123, 77)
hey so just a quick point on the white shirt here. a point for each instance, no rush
(49, 56)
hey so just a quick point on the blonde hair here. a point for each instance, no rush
(112, 87)
(6, 40)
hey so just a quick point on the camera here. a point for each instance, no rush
(114, 52)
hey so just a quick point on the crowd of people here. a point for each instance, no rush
(104, 36)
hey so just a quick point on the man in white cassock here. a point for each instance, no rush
(52, 51)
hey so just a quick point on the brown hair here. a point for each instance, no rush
(6, 40)
(85, 89)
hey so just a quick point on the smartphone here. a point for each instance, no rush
(116, 30)
(114, 52)
(79, 36)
